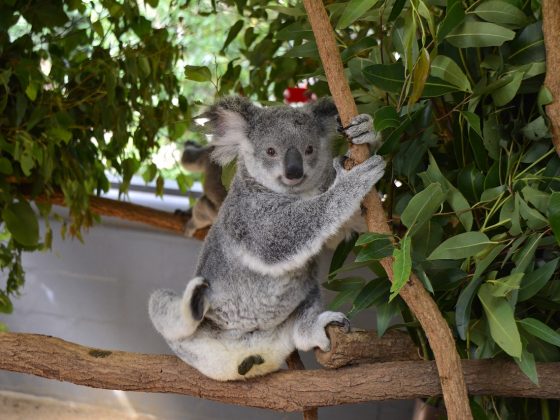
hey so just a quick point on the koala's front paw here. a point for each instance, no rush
(370, 171)
(360, 130)
(323, 320)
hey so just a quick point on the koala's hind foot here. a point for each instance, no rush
(360, 131)
(311, 332)
(195, 303)
(247, 363)
(177, 317)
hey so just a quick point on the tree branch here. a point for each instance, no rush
(413, 293)
(131, 212)
(359, 346)
(551, 23)
(293, 390)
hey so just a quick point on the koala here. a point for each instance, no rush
(196, 158)
(255, 295)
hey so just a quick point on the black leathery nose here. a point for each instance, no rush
(293, 163)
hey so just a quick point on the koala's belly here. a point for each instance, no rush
(256, 302)
(226, 356)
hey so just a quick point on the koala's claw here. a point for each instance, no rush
(345, 324)
(360, 130)
(325, 319)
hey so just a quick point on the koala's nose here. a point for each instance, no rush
(293, 164)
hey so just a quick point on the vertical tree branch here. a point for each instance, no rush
(551, 30)
(419, 301)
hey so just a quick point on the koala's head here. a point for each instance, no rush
(285, 149)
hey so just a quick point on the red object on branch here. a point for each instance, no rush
(297, 94)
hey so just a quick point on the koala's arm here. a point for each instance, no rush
(280, 235)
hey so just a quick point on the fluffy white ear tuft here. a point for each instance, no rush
(229, 136)
(229, 122)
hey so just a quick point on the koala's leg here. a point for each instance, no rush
(310, 323)
(177, 317)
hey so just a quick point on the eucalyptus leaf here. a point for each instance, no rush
(537, 198)
(540, 330)
(528, 46)
(375, 250)
(391, 78)
(479, 34)
(347, 283)
(466, 297)
(461, 246)
(422, 206)
(506, 93)
(371, 293)
(536, 129)
(446, 69)
(525, 256)
(341, 253)
(501, 321)
(353, 11)
(502, 287)
(535, 280)
(528, 366)
(454, 16)
(368, 237)
(502, 12)
(307, 49)
(492, 193)
(402, 267)
(420, 74)
(232, 34)
(554, 214)
(198, 73)
(385, 312)
(22, 222)
(386, 117)
(534, 219)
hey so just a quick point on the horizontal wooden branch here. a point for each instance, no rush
(293, 390)
(347, 348)
(359, 346)
(131, 212)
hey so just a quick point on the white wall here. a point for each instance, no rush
(96, 294)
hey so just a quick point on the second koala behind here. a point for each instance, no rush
(255, 297)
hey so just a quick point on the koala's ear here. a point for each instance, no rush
(324, 111)
(228, 122)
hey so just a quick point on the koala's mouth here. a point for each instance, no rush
(292, 182)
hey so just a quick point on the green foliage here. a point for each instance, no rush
(455, 88)
(85, 89)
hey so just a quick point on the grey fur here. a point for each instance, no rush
(259, 258)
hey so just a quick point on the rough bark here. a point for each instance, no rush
(417, 298)
(294, 363)
(361, 346)
(293, 390)
(551, 30)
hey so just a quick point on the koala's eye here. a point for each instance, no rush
(270, 151)
(309, 150)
